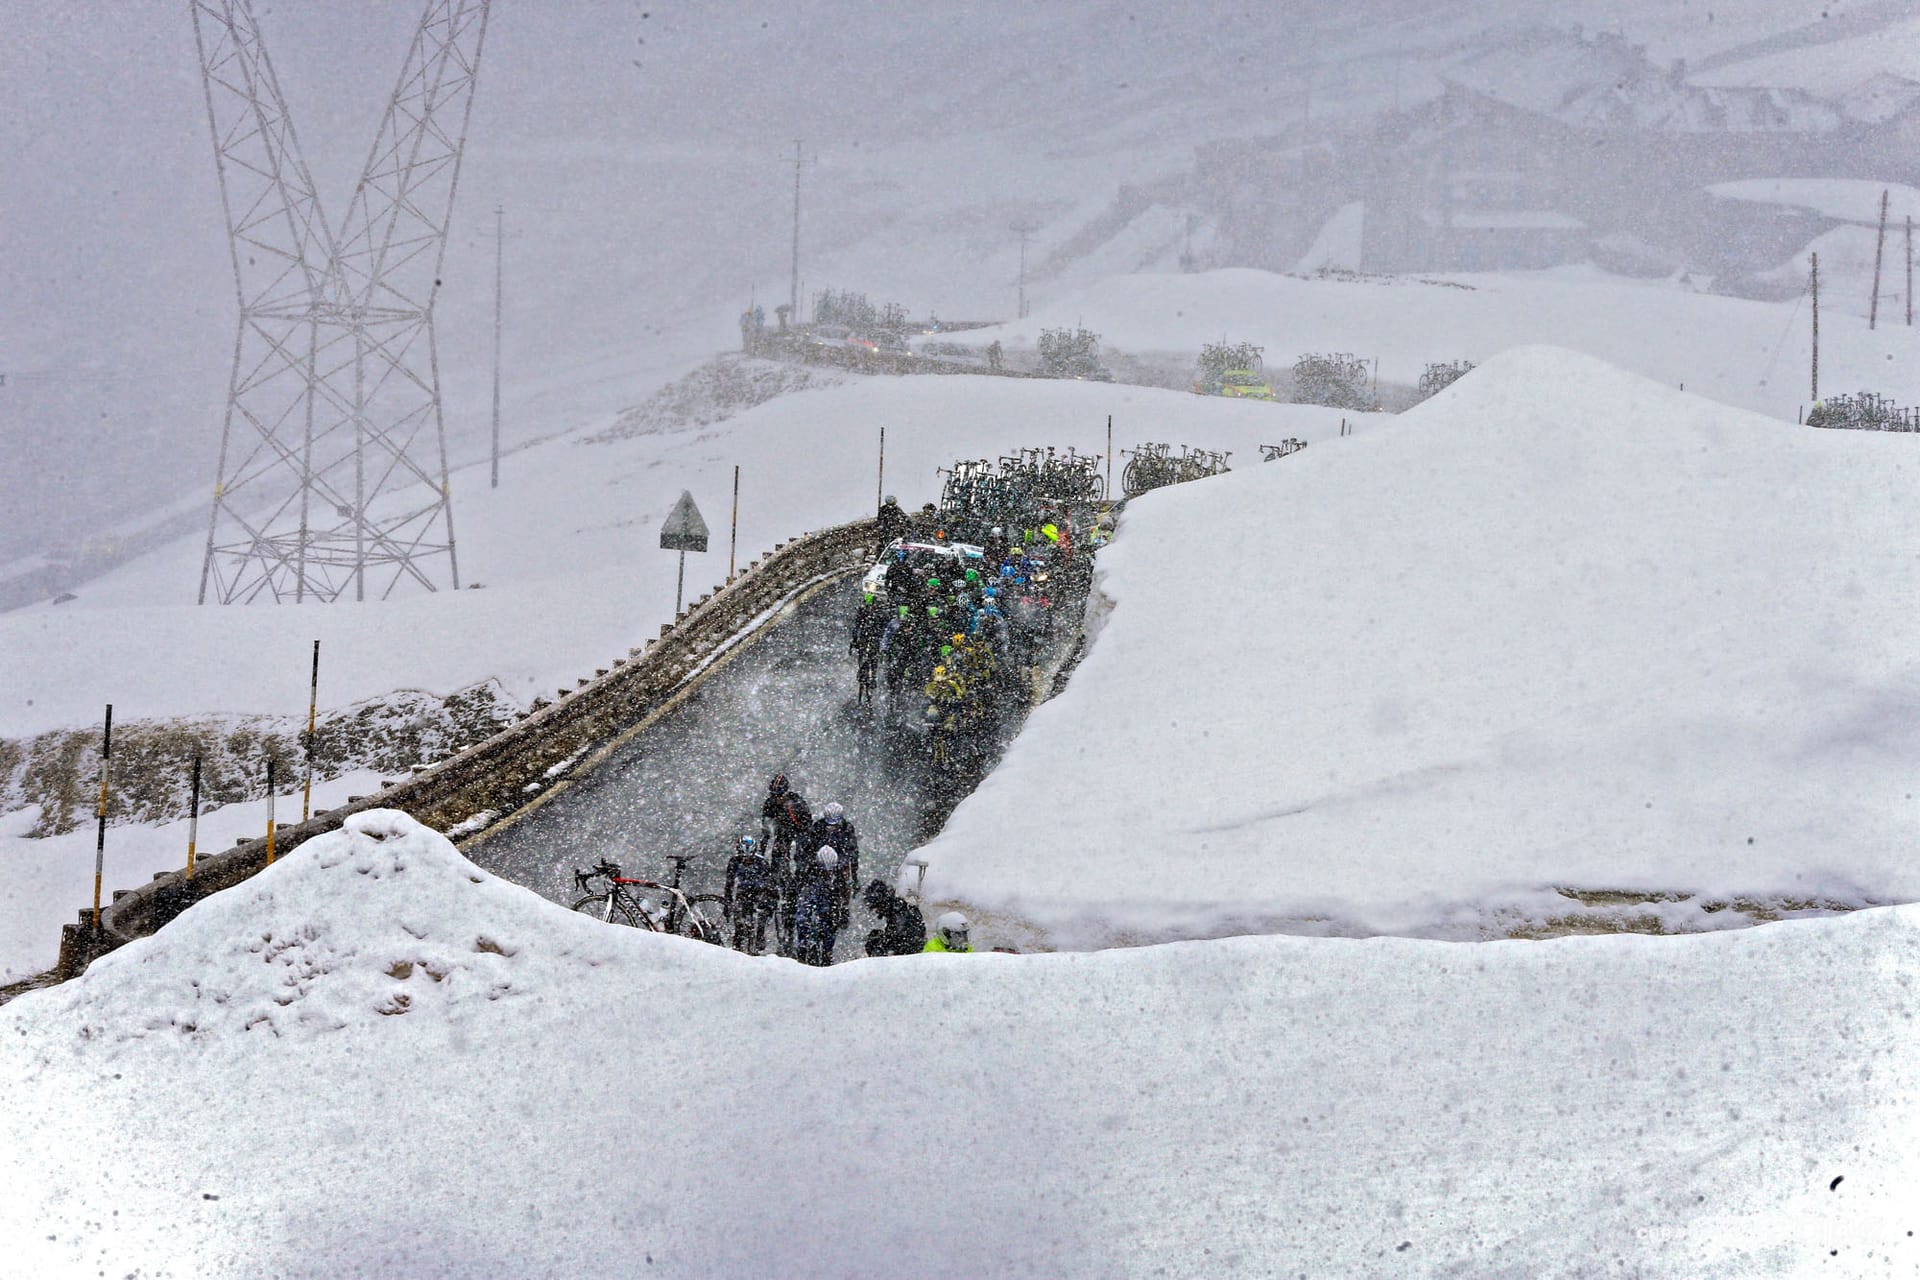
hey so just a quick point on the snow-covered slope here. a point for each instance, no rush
(376, 1060)
(1558, 627)
(567, 549)
(1745, 353)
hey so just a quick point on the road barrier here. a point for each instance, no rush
(511, 768)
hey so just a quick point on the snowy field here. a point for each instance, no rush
(568, 550)
(1558, 628)
(1750, 354)
(302, 1077)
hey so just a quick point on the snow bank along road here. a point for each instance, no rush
(375, 1059)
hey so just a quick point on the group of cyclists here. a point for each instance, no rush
(961, 626)
(799, 875)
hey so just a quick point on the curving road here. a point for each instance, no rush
(693, 782)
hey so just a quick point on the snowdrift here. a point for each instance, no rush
(1557, 639)
(375, 1059)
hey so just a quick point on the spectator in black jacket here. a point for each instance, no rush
(902, 931)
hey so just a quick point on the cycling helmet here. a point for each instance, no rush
(890, 498)
(959, 639)
(946, 650)
(749, 846)
(828, 857)
(953, 931)
(900, 555)
(933, 611)
(869, 597)
(934, 583)
(834, 814)
(777, 785)
(996, 531)
(973, 575)
(903, 611)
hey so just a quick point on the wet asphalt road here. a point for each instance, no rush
(694, 781)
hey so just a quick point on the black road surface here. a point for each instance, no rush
(694, 781)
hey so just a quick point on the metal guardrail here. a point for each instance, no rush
(507, 770)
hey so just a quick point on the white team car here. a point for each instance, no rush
(942, 560)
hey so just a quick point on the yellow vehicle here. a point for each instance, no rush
(1237, 384)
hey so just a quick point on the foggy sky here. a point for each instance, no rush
(642, 152)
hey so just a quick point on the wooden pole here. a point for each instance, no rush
(1815, 397)
(1879, 249)
(193, 816)
(269, 810)
(499, 275)
(733, 538)
(313, 712)
(100, 840)
(1909, 271)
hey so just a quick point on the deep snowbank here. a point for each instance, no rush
(375, 1059)
(1557, 628)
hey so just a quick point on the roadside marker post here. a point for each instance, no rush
(313, 710)
(269, 810)
(683, 530)
(733, 537)
(193, 815)
(100, 840)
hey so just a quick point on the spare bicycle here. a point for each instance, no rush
(648, 904)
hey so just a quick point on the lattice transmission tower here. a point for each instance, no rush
(333, 456)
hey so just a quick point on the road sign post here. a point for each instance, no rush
(683, 530)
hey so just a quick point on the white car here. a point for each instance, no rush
(942, 560)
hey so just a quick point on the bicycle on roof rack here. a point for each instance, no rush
(648, 904)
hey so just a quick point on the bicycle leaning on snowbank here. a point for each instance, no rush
(648, 904)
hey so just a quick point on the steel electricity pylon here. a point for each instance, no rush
(333, 460)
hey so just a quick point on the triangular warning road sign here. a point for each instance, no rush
(683, 529)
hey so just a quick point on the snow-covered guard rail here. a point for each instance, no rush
(507, 769)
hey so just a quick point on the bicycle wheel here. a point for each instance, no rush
(596, 904)
(704, 920)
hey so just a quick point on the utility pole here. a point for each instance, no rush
(1879, 247)
(1023, 230)
(1909, 271)
(793, 300)
(499, 276)
(1815, 397)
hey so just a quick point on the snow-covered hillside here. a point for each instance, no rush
(304, 1077)
(1559, 628)
(1750, 354)
(568, 552)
